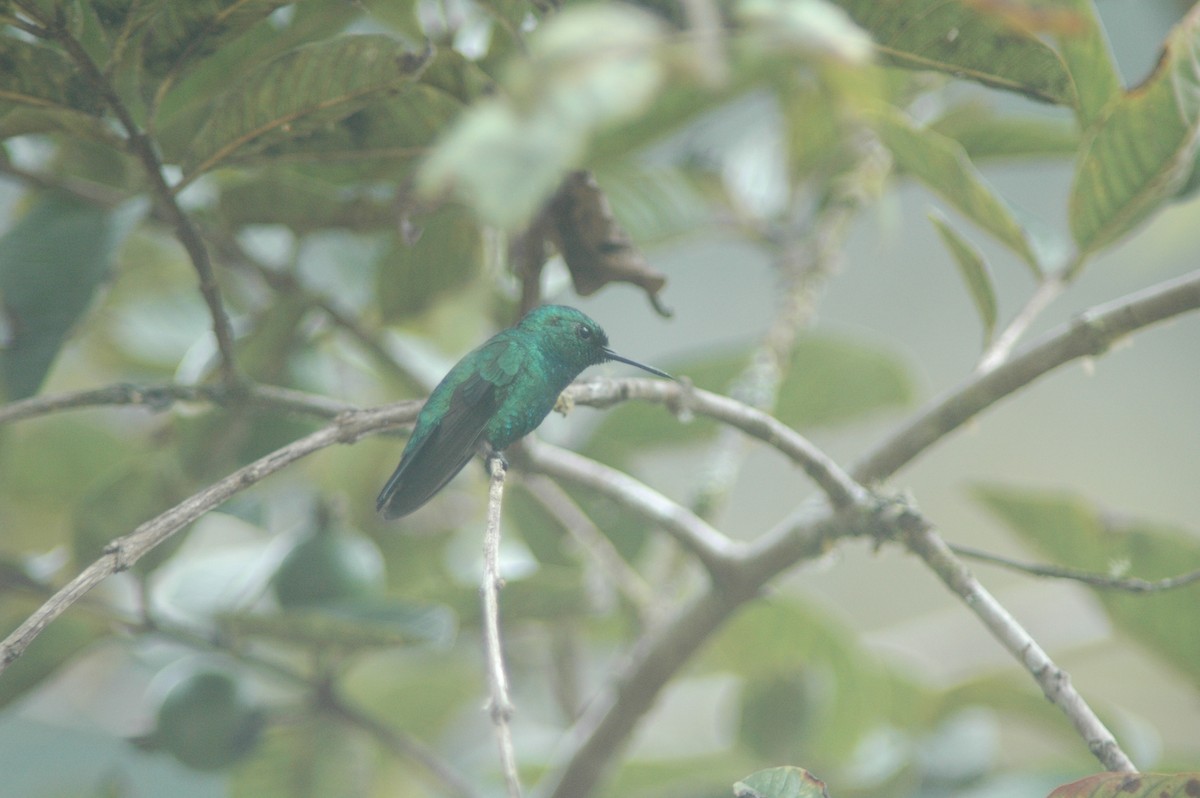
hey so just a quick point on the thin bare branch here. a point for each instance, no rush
(500, 703)
(125, 551)
(1054, 681)
(1090, 578)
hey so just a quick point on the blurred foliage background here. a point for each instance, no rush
(843, 204)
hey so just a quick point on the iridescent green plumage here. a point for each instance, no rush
(495, 395)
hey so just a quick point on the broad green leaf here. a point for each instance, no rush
(44, 119)
(782, 782)
(299, 92)
(446, 254)
(312, 756)
(1089, 60)
(983, 133)
(51, 262)
(180, 33)
(829, 381)
(962, 41)
(974, 271)
(1141, 150)
(588, 67)
(1132, 785)
(302, 203)
(57, 645)
(42, 77)
(1072, 532)
(942, 165)
(348, 624)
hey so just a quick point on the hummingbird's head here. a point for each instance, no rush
(575, 338)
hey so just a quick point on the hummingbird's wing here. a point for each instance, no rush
(433, 460)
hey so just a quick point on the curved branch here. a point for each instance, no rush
(125, 551)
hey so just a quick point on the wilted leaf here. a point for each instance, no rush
(942, 165)
(1074, 533)
(958, 39)
(974, 271)
(784, 782)
(301, 91)
(51, 262)
(1132, 785)
(596, 248)
(1141, 150)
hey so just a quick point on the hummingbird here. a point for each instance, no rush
(495, 395)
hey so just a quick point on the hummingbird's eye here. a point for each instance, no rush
(585, 332)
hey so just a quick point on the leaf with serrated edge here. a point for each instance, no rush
(974, 271)
(1141, 151)
(300, 91)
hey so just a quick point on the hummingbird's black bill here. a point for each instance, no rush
(611, 355)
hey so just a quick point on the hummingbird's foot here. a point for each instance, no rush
(495, 460)
(564, 404)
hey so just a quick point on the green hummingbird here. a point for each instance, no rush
(495, 395)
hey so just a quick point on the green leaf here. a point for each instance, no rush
(1090, 62)
(181, 33)
(302, 203)
(1141, 150)
(1072, 532)
(784, 782)
(983, 133)
(942, 165)
(974, 271)
(807, 28)
(446, 255)
(1132, 785)
(51, 262)
(57, 645)
(830, 380)
(654, 203)
(41, 77)
(313, 756)
(299, 92)
(958, 39)
(588, 67)
(349, 624)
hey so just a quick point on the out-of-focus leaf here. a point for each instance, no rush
(1074, 533)
(829, 381)
(57, 644)
(1089, 60)
(1142, 148)
(446, 254)
(942, 165)
(960, 40)
(974, 271)
(349, 624)
(1132, 785)
(811, 28)
(301, 91)
(589, 67)
(777, 715)
(783, 782)
(316, 757)
(983, 133)
(654, 203)
(180, 33)
(41, 77)
(51, 262)
(399, 15)
(302, 203)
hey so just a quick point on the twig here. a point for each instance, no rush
(578, 525)
(1002, 345)
(1090, 334)
(1054, 681)
(1102, 581)
(500, 704)
(710, 547)
(125, 551)
(161, 396)
(143, 149)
